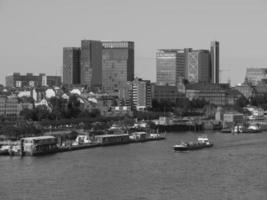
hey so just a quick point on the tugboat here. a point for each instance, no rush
(202, 142)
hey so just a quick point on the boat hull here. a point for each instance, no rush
(192, 147)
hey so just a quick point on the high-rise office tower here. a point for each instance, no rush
(91, 63)
(117, 64)
(71, 65)
(198, 66)
(170, 65)
(215, 61)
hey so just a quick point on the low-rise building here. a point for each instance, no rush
(110, 139)
(213, 93)
(233, 117)
(163, 93)
(10, 107)
(136, 94)
(30, 80)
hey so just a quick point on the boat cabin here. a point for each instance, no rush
(203, 139)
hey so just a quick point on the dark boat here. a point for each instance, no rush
(202, 142)
(4, 150)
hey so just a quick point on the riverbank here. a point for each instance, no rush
(18, 149)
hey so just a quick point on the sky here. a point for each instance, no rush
(33, 32)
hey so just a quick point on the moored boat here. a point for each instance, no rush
(4, 150)
(202, 142)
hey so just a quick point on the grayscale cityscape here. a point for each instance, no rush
(133, 100)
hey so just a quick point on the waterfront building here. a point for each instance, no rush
(170, 64)
(33, 146)
(117, 64)
(110, 139)
(255, 75)
(71, 65)
(91, 63)
(163, 93)
(140, 94)
(29, 80)
(198, 66)
(231, 119)
(216, 94)
(215, 61)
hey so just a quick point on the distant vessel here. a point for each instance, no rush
(202, 142)
(4, 150)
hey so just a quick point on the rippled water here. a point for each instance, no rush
(235, 168)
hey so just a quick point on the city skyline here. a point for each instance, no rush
(40, 38)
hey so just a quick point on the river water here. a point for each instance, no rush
(235, 168)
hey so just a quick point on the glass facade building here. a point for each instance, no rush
(71, 65)
(117, 64)
(91, 63)
(170, 65)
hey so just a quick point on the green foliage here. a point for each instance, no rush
(58, 107)
(241, 102)
(260, 101)
(15, 132)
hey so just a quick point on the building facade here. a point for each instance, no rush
(117, 64)
(71, 65)
(246, 89)
(170, 64)
(9, 107)
(91, 63)
(256, 75)
(140, 94)
(216, 94)
(163, 93)
(215, 61)
(29, 80)
(198, 66)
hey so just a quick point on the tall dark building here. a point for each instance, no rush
(215, 61)
(71, 65)
(117, 64)
(91, 63)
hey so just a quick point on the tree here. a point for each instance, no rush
(73, 107)
(28, 114)
(42, 112)
(58, 107)
(241, 102)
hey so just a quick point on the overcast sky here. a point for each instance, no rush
(33, 32)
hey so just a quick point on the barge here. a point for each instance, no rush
(202, 142)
